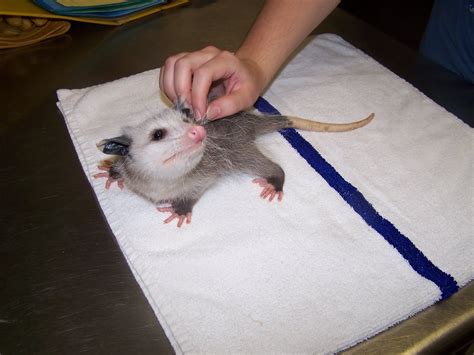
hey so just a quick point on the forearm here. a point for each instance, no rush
(280, 28)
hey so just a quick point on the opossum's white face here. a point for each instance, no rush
(167, 146)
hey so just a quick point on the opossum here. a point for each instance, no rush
(172, 159)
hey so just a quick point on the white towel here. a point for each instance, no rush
(327, 267)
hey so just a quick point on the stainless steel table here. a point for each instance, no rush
(65, 286)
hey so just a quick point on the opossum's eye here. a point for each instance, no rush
(158, 134)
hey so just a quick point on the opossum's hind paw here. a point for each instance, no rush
(180, 217)
(268, 190)
(106, 174)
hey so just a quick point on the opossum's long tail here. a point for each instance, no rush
(315, 126)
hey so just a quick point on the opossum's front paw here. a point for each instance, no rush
(174, 215)
(268, 190)
(111, 178)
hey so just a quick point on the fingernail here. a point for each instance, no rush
(213, 112)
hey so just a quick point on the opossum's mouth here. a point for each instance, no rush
(186, 151)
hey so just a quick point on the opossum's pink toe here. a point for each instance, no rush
(272, 196)
(265, 192)
(181, 220)
(260, 181)
(101, 175)
(120, 184)
(109, 182)
(170, 218)
(165, 209)
(280, 195)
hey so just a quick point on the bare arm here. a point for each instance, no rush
(280, 27)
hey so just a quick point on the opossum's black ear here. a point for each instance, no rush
(115, 146)
(183, 107)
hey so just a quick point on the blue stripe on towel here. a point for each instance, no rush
(418, 261)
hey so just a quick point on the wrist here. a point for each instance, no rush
(260, 74)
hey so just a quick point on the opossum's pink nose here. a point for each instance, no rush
(197, 134)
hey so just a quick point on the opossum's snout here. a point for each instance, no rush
(189, 150)
(197, 134)
(114, 146)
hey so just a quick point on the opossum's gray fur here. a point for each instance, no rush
(229, 147)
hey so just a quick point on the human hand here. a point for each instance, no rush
(189, 76)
